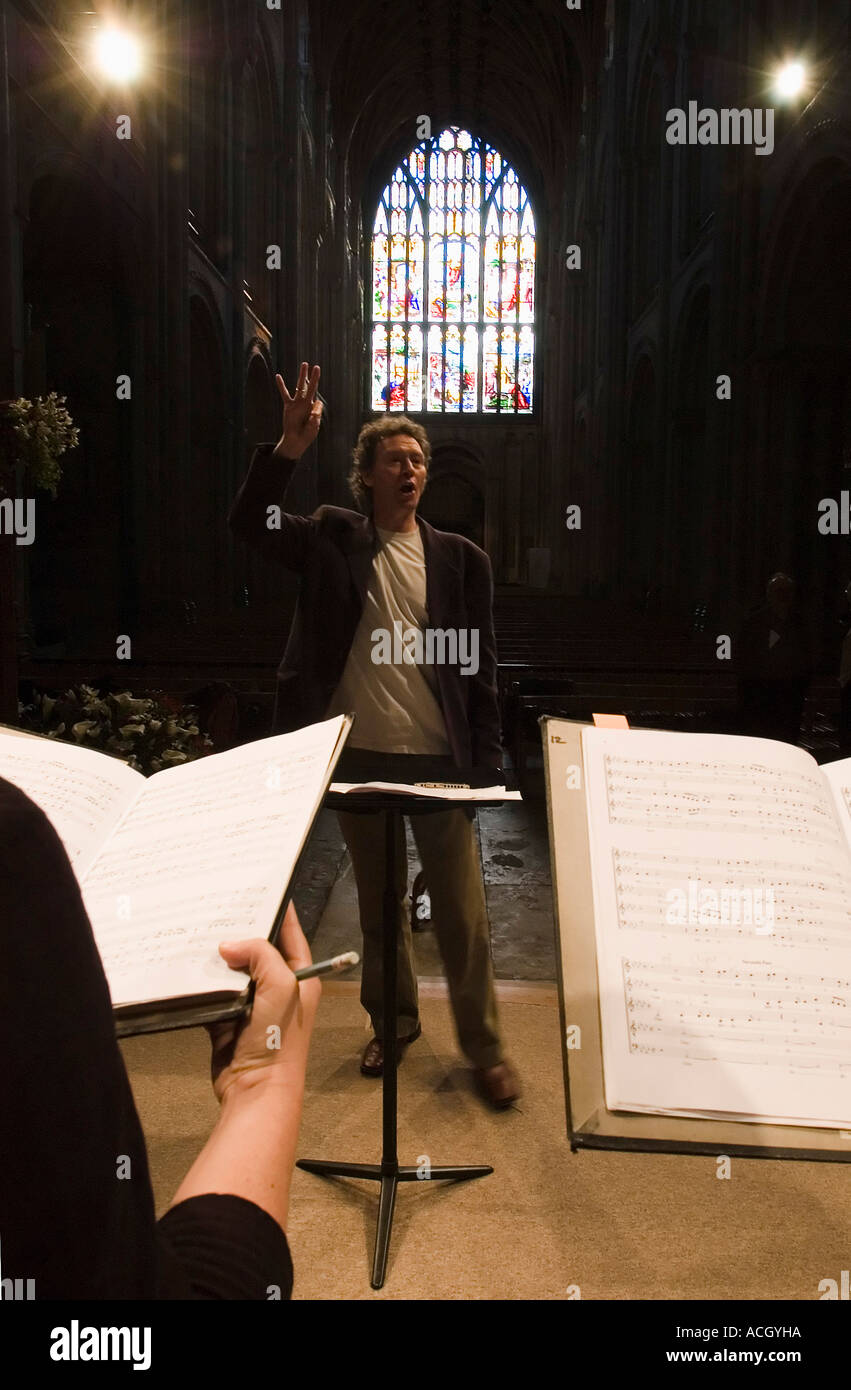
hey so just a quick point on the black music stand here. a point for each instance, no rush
(388, 1172)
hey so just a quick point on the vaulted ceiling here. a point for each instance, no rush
(513, 72)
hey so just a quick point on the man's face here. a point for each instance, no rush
(398, 474)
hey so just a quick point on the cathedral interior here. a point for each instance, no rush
(631, 356)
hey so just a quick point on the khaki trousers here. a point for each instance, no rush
(449, 854)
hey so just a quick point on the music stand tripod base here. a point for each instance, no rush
(388, 1172)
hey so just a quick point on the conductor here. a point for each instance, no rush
(393, 622)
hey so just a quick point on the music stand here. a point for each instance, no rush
(388, 1172)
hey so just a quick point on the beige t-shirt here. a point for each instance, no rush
(395, 700)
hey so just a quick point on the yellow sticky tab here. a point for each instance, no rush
(610, 721)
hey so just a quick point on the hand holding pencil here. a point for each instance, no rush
(273, 1041)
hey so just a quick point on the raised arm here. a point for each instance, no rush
(302, 413)
(256, 514)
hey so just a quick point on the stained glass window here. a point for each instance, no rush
(453, 282)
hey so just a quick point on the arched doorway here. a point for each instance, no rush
(451, 502)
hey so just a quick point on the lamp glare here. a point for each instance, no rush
(790, 79)
(117, 55)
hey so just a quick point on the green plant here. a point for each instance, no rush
(148, 733)
(37, 433)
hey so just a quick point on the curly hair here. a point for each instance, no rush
(363, 454)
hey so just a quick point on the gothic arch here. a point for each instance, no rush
(262, 401)
(526, 66)
(452, 283)
(643, 350)
(201, 289)
(460, 457)
(395, 150)
(454, 499)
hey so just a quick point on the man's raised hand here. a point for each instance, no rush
(302, 413)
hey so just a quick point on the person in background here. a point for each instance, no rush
(774, 662)
(68, 1122)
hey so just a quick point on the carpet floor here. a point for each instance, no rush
(547, 1224)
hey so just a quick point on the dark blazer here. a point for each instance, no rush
(333, 551)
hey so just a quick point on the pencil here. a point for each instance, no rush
(329, 967)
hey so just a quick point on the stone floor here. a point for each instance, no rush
(516, 865)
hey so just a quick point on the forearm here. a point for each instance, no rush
(257, 512)
(267, 480)
(251, 1151)
(280, 451)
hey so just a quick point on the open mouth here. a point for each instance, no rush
(408, 489)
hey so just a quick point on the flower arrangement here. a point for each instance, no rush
(36, 434)
(148, 733)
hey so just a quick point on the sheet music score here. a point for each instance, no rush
(169, 866)
(81, 792)
(201, 859)
(722, 897)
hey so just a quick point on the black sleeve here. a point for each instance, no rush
(76, 1206)
(265, 485)
(218, 1246)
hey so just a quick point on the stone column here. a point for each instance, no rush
(10, 380)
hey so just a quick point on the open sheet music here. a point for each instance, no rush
(171, 865)
(722, 905)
